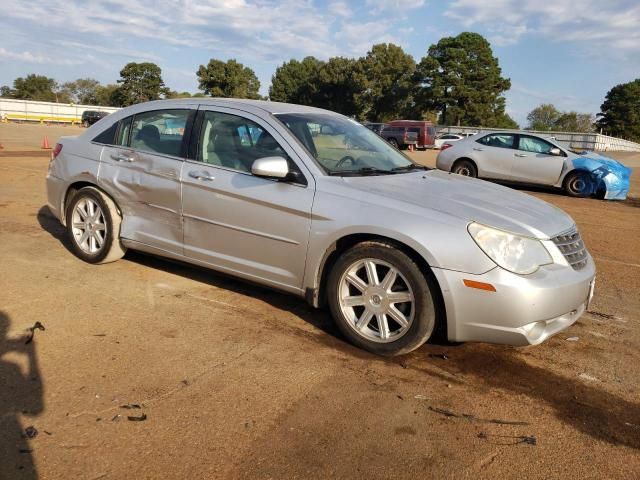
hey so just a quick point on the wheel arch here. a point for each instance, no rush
(317, 297)
(72, 189)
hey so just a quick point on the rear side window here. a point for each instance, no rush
(123, 131)
(500, 140)
(107, 136)
(159, 131)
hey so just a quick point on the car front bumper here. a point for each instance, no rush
(523, 310)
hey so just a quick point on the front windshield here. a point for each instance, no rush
(345, 147)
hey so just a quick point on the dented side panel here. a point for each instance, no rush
(147, 188)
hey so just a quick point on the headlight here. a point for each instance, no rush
(512, 252)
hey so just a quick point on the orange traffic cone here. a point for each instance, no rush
(45, 143)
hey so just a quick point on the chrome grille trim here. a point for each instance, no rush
(572, 247)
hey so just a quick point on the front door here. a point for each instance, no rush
(534, 164)
(142, 172)
(250, 226)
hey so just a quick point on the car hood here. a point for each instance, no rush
(467, 198)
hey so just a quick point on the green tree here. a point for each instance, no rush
(461, 79)
(107, 95)
(337, 87)
(296, 82)
(35, 87)
(6, 92)
(575, 122)
(386, 74)
(174, 94)
(139, 82)
(82, 90)
(228, 79)
(543, 118)
(620, 113)
(503, 120)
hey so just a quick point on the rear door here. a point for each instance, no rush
(534, 164)
(142, 173)
(493, 154)
(254, 227)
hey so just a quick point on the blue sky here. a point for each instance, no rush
(565, 52)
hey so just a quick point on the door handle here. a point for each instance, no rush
(201, 176)
(478, 149)
(120, 157)
(521, 155)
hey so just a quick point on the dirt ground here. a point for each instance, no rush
(237, 381)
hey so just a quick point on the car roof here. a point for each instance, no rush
(264, 105)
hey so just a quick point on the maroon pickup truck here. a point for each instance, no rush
(400, 137)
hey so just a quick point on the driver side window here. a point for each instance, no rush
(534, 145)
(234, 142)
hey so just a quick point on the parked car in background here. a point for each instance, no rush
(426, 131)
(533, 159)
(447, 138)
(400, 137)
(312, 203)
(374, 127)
(89, 117)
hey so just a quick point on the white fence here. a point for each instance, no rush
(28, 110)
(579, 141)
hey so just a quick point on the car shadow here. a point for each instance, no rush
(20, 395)
(575, 402)
(52, 225)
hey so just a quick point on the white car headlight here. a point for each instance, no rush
(522, 255)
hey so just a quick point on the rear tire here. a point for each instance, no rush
(390, 313)
(579, 184)
(85, 124)
(93, 225)
(465, 168)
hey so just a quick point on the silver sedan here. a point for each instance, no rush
(312, 203)
(522, 157)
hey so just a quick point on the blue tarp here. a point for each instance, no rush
(608, 176)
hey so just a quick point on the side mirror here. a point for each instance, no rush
(555, 151)
(270, 167)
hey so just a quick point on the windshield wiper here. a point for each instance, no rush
(361, 171)
(411, 166)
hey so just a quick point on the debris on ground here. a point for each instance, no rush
(32, 331)
(116, 418)
(131, 406)
(509, 439)
(31, 432)
(473, 418)
(141, 418)
(572, 339)
(586, 376)
(442, 356)
(595, 313)
(420, 397)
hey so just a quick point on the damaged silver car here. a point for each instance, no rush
(312, 203)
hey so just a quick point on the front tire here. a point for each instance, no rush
(93, 225)
(380, 299)
(579, 184)
(393, 142)
(85, 124)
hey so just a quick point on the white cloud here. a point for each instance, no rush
(26, 56)
(396, 7)
(609, 27)
(340, 8)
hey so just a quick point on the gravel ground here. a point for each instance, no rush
(237, 381)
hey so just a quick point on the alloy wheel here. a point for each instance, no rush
(376, 300)
(88, 226)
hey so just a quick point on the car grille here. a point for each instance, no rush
(572, 247)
